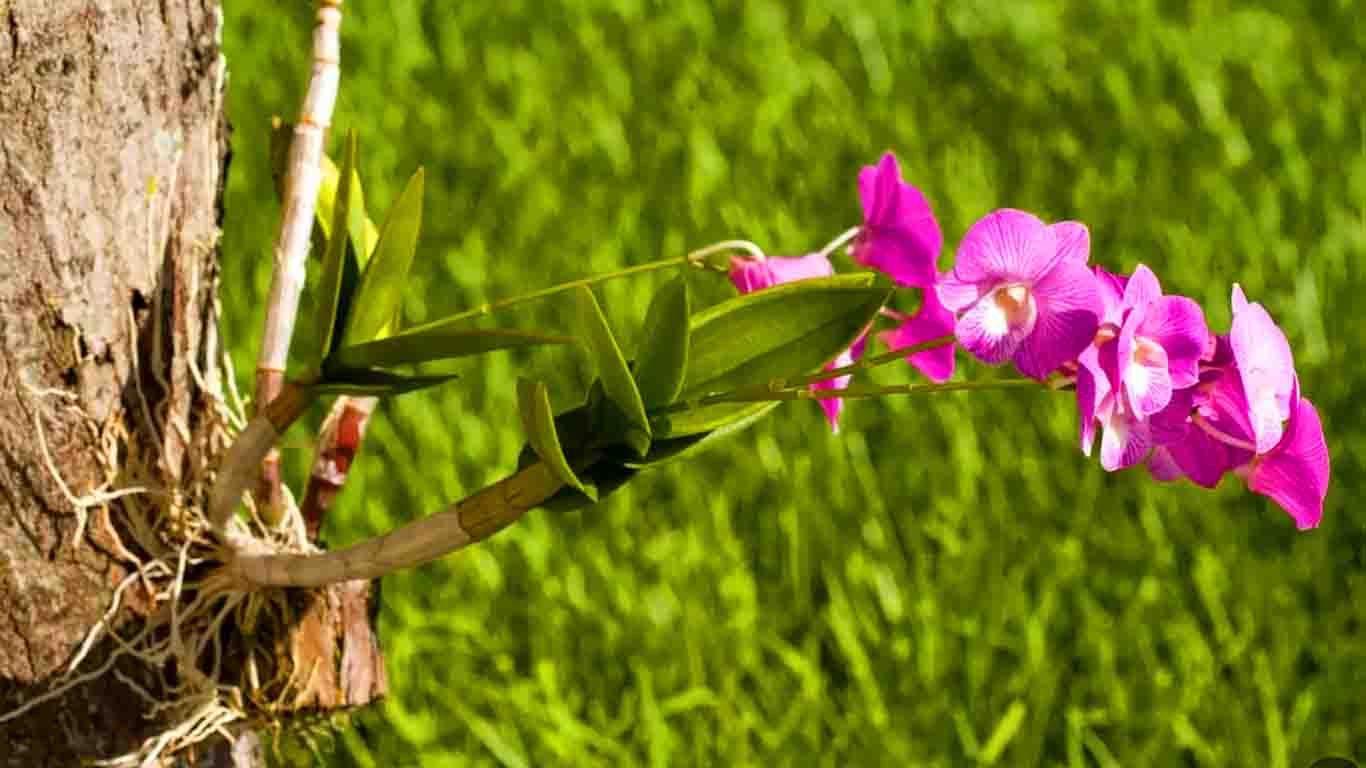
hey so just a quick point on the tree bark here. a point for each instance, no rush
(112, 152)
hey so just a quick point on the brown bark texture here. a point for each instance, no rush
(112, 151)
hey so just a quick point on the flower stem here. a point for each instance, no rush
(762, 395)
(843, 238)
(696, 258)
(864, 363)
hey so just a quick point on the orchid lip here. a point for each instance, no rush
(1015, 307)
(1146, 351)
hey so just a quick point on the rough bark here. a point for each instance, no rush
(112, 148)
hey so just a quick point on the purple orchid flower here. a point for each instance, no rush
(1022, 292)
(1136, 367)
(900, 236)
(1246, 416)
(1161, 341)
(749, 275)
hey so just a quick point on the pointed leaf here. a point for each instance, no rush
(668, 449)
(780, 332)
(617, 381)
(538, 422)
(411, 347)
(708, 418)
(663, 358)
(373, 382)
(386, 275)
(334, 256)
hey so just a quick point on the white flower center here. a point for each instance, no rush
(1012, 310)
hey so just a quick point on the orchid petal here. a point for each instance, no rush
(1295, 474)
(1125, 441)
(992, 333)
(1069, 306)
(832, 406)
(1111, 287)
(956, 295)
(749, 275)
(1162, 466)
(1143, 366)
(1178, 324)
(1073, 241)
(1239, 299)
(1093, 386)
(1004, 246)
(930, 322)
(1170, 424)
(900, 236)
(1202, 458)
(1267, 368)
(1142, 288)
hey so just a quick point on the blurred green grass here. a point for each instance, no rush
(948, 581)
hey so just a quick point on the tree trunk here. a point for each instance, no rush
(112, 151)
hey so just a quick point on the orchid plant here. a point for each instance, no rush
(1148, 373)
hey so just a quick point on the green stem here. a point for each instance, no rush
(863, 363)
(842, 239)
(848, 393)
(494, 306)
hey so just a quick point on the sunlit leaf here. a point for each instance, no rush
(663, 357)
(408, 347)
(386, 274)
(538, 423)
(371, 382)
(784, 331)
(332, 282)
(617, 382)
(708, 418)
(694, 430)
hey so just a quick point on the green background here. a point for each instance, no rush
(946, 582)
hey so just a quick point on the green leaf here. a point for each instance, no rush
(334, 257)
(676, 439)
(663, 358)
(617, 381)
(538, 422)
(373, 382)
(427, 343)
(780, 332)
(386, 275)
(708, 418)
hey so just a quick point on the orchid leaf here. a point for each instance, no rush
(686, 432)
(663, 358)
(785, 331)
(374, 382)
(538, 422)
(707, 418)
(386, 274)
(617, 381)
(336, 256)
(425, 345)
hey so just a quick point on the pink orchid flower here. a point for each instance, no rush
(1022, 292)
